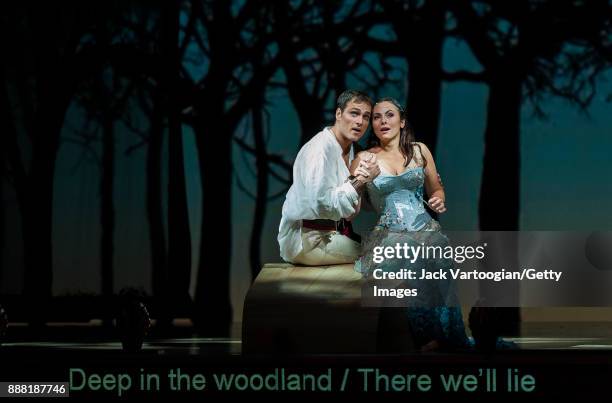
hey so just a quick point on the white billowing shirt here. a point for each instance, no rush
(319, 190)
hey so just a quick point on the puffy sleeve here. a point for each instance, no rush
(320, 196)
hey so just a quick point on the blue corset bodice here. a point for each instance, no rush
(398, 199)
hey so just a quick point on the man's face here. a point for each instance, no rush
(353, 122)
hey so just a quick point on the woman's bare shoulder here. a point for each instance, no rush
(422, 148)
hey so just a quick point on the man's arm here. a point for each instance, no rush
(320, 194)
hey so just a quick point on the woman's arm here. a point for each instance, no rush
(433, 183)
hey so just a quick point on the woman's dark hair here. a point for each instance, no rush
(407, 142)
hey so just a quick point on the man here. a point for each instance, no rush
(315, 227)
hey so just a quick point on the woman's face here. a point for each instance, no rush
(386, 121)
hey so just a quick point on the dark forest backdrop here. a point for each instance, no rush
(150, 144)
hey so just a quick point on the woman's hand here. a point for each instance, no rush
(362, 170)
(437, 205)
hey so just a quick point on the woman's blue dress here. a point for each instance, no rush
(435, 313)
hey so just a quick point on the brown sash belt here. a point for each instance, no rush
(343, 226)
(321, 225)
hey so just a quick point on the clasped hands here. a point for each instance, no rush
(367, 170)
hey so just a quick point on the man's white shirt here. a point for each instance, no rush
(319, 190)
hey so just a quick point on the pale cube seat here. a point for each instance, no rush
(317, 309)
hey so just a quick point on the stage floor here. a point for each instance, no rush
(232, 346)
(90, 337)
(576, 362)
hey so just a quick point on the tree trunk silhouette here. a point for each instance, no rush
(107, 216)
(154, 209)
(425, 72)
(54, 90)
(212, 310)
(500, 187)
(308, 105)
(8, 129)
(11, 152)
(2, 215)
(179, 236)
(36, 215)
(35, 37)
(214, 123)
(261, 200)
(498, 208)
(500, 190)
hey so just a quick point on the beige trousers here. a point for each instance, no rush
(325, 248)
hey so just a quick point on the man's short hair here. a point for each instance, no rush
(355, 96)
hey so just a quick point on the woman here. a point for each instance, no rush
(408, 173)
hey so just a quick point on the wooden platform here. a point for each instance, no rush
(317, 309)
